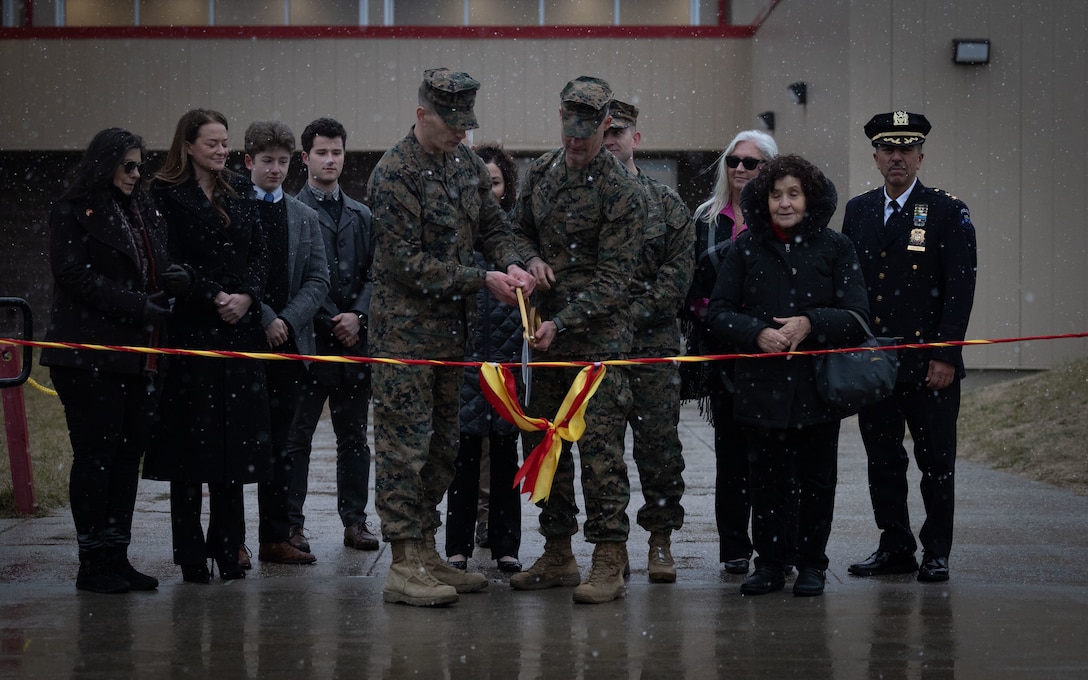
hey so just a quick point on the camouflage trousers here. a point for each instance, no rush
(416, 438)
(658, 453)
(605, 486)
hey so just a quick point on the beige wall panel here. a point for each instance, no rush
(369, 84)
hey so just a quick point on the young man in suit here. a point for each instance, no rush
(341, 329)
(916, 246)
(298, 280)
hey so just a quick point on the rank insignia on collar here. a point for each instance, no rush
(921, 211)
(917, 240)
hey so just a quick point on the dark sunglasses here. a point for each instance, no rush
(749, 162)
(129, 166)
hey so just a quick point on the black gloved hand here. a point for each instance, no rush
(156, 307)
(176, 280)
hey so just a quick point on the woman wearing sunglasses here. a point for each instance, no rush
(111, 284)
(717, 222)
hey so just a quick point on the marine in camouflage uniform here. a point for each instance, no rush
(662, 277)
(579, 225)
(432, 203)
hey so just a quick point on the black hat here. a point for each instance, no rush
(898, 128)
(452, 94)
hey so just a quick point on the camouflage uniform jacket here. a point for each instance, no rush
(430, 214)
(663, 273)
(587, 225)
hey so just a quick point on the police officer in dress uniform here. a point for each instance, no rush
(916, 246)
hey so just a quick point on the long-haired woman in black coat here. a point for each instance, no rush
(213, 424)
(111, 283)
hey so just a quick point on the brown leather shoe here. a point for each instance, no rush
(284, 553)
(360, 537)
(243, 557)
(297, 538)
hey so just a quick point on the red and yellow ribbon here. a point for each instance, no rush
(538, 470)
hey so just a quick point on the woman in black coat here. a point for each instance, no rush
(496, 337)
(787, 284)
(213, 420)
(111, 279)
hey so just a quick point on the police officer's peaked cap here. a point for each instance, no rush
(624, 115)
(898, 128)
(585, 104)
(452, 94)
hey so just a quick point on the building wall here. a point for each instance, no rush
(1008, 138)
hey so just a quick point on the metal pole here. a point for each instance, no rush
(22, 475)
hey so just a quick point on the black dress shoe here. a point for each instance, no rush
(458, 564)
(810, 582)
(196, 573)
(736, 566)
(933, 569)
(762, 581)
(880, 563)
(510, 567)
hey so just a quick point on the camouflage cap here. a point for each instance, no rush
(585, 105)
(898, 128)
(452, 94)
(624, 115)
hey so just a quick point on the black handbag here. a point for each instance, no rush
(851, 380)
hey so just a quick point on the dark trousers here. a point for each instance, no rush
(732, 500)
(931, 416)
(226, 525)
(109, 423)
(285, 380)
(348, 404)
(801, 461)
(504, 520)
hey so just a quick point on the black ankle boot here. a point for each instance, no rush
(136, 580)
(98, 575)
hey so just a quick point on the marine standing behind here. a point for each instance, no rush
(658, 288)
(433, 207)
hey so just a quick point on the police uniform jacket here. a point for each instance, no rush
(431, 213)
(587, 224)
(814, 275)
(349, 253)
(663, 271)
(920, 272)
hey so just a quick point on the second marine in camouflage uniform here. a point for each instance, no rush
(579, 226)
(432, 203)
(661, 279)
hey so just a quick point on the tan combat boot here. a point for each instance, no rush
(556, 567)
(409, 582)
(463, 581)
(661, 566)
(605, 580)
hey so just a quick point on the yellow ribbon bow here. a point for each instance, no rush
(538, 470)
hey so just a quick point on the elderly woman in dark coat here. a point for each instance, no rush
(111, 279)
(787, 284)
(213, 421)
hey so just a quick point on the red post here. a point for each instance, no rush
(22, 475)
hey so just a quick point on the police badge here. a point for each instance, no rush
(918, 234)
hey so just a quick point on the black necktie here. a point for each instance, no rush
(895, 210)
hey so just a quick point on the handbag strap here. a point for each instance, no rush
(868, 333)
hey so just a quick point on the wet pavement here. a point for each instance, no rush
(1016, 606)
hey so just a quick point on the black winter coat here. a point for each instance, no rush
(213, 423)
(100, 288)
(497, 337)
(815, 275)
